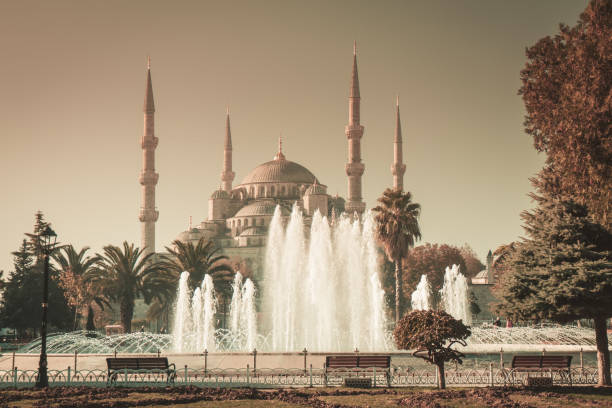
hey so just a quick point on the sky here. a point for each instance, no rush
(72, 82)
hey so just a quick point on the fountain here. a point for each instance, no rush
(321, 291)
(421, 297)
(324, 294)
(454, 293)
(194, 322)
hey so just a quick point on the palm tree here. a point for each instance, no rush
(200, 259)
(397, 229)
(74, 267)
(124, 274)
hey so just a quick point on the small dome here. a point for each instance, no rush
(220, 194)
(258, 208)
(253, 231)
(191, 235)
(316, 189)
(279, 171)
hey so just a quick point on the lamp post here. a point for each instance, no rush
(47, 242)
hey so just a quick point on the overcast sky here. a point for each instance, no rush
(72, 78)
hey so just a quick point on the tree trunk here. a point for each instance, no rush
(90, 326)
(127, 312)
(398, 289)
(603, 353)
(441, 377)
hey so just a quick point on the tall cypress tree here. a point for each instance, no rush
(562, 271)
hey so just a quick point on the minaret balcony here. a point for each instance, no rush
(148, 178)
(148, 214)
(354, 169)
(149, 142)
(398, 169)
(353, 132)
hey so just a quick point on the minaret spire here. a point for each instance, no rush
(280, 155)
(148, 177)
(227, 176)
(398, 168)
(354, 133)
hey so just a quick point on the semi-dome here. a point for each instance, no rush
(279, 171)
(258, 208)
(253, 232)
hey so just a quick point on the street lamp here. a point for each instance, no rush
(46, 241)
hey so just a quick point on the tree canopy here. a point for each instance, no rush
(432, 334)
(562, 271)
(566, 87)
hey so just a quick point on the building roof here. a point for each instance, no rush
(258, 208)
(253, 231)
(279, 171)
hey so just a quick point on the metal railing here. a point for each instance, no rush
(311, 377)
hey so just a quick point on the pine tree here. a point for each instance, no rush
(562, 271)
(20, 305)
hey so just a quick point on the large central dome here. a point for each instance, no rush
(280, 171)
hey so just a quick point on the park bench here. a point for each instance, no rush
(542, 364)
(349, 367)
(118, 365)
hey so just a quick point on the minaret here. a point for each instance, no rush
(354, 133)
(398, 168)
(148, 176)
(227, 176)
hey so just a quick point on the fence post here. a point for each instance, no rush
(374, 377)
(68, 375)
(501, 358)
(254, 361)
(205, 361)
(305, 353)
(158, 353)
(543, 351)
(247, 373)
(437, 379)
(15, 376)
(13, 365)
(115, 353)
(185, 373)
(311, 376)
(581, 361)
(491, 374)
(75, 361)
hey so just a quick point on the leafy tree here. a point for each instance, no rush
(562, 271)
(567, 93)
(123, 275)
(80, 293)
(431, 334)
(473, 265)
(397, 229)
(431, 260)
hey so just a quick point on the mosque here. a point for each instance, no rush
(239, 215)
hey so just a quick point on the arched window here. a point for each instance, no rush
(262, 191)
(239, 223)
(282, 190)
(272, 191)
